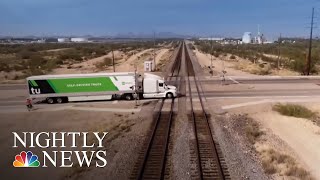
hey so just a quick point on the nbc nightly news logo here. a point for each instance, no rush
(45, 140)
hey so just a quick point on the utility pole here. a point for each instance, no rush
(310, 46)
(211, 48)
(114, 68)
(136, 85)
(154, 50)
(279, 50)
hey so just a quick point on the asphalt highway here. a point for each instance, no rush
(15, 94)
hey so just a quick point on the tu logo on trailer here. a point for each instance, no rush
(34, 87)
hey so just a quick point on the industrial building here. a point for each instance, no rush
(211, 39)
(79, 40)
(62, 40)
(248, 39)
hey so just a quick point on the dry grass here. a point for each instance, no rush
(275, 162)
(114, 130)
(75, 172)
(104, 64)
(253, 132)
(252, 68)
(294, 110)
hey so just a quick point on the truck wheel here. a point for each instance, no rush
(128, 97)
(50, 100)
(169, 95)
(59, 100)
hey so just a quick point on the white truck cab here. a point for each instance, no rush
(155, 87)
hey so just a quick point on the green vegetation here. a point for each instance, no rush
(42, 58)
(293, 55)
(294, 111)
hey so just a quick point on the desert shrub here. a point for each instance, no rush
(276, 162)
(36, 61)
(70, 55)
(191, 47)
(25, 54)
(216, 54)
(232, 57)
(76, 57)
(265, 71)
(63, 56)
(35, 71)
(294, 111)
(105, 63)
(268, 167)
(294, 51)
(59, 62)
(297, 65)
(50, 65)
(253, 131)
(17, 67)
(4, 67)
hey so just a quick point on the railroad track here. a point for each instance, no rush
(154, 159)
(209, 159)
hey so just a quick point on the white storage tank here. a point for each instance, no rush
(247, 38)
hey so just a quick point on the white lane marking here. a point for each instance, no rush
(19, 108)
(244, 104)
(233, 106)
(260, 97)
(266, 77)
(1, 85)
(4, 101)
(233, 80)
(105, 109)
(115, 102)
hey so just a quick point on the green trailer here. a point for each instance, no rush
(82, 87)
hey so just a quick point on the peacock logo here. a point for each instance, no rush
(26, 160)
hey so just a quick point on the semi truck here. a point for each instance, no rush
(98, 86)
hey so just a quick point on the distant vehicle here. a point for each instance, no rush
(98, 86)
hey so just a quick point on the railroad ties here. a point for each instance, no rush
(208, 156)
(205, 152)
(152, 161)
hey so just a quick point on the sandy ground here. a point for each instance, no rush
(4, 76)
(122, 143)
(239, 66)
(219, 64)
(300, 136)
(139, 58)
(125, 62)
(88, 66)
(57, 50)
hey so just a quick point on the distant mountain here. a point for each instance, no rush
(129, 35)
(161, 35)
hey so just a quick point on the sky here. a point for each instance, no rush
(227, 18)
